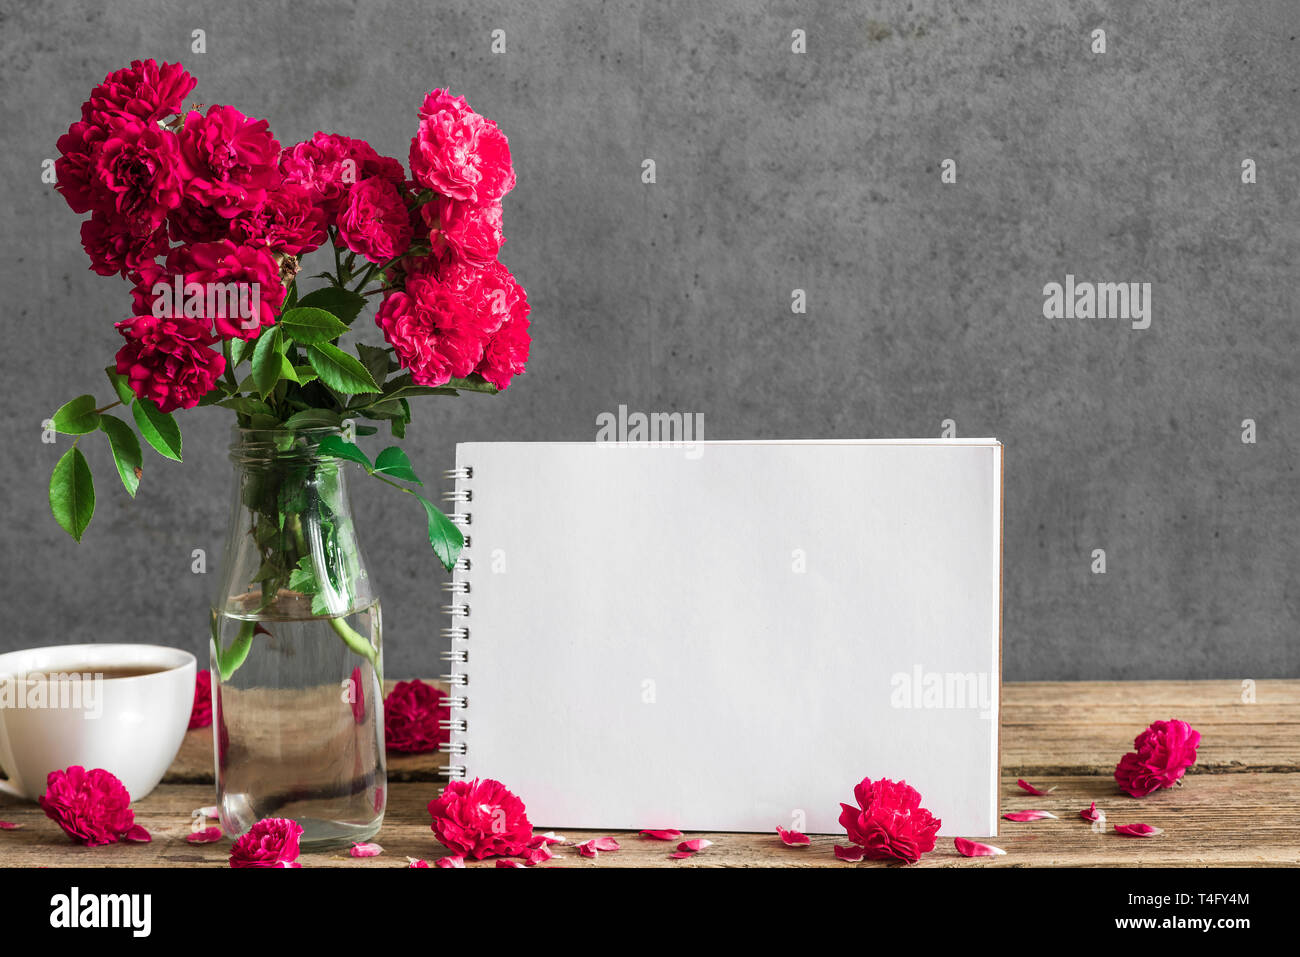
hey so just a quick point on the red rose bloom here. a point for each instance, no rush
(195, 222)
(1164, 753)
(201, 712)
(412, 712)
(230, 160)
(464, 230)
(129, 170)
(167, 360)
(116, 250)
(459, 153)
(889, 822)
(271, 842)
(230, 273)
(506, 352)
(92, 807)
(480, 819)
(373, 221)
(287, 222)
(328, 166)
(144, 90)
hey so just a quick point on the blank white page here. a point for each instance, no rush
(731, 636)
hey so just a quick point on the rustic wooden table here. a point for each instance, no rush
(1240, 805)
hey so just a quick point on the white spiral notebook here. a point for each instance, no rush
(731, 635)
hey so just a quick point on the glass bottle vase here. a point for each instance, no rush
(297, 662)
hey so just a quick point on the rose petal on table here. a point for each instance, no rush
(503, 862)
(417, 862)
(209, 835)
(588, 849)
(793, 838)
(664, 834)
(694, 844)
(681, 855)
(975, 849)
(550, 837)
(851, 853)
(537, 855)
(451, 860)
(137, 835)
(1091, 813)
(366, 850)
(605, 844)
(1029, 815)
(1040, 792)
(1137, 830)
(9, 826)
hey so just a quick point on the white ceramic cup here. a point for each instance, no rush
(132, 726)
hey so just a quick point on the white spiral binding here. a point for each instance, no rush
(457, 589)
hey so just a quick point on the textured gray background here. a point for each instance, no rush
(775, 171)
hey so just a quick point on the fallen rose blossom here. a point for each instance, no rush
(1137, 830)
(1164, 752)
(504, 862)
(695, 844)
(664, 834)
(480, 818)
(1091, 813)
(366, 850)
(1029, 815)
(91, 806)
(537, 855)
(271, 842)
(852, 853)
(793, 838)
(451, 860)
(975, 849)
(416, 862)
(209, 835)
(889, 821)
(9, 826)
(1025, 785)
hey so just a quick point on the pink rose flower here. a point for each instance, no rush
(412, 712)
(480, 818)
(129, 170)
(506, 352)
(193, 221)
(328, 165)
(144, 90)
(115, 249)
(373, 220)
(1164, 752)
(230, 160)
(889, 822)
(271, 842)
(92, 807)
(463, 230)
(459, 153)
(287, 222)
(201, 712)
(74, 169)
(215, 266)
(167, 360)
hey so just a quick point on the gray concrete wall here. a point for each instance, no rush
(775, 171)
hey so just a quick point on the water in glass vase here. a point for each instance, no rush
(298, 722)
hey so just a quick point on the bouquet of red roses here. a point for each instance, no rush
(209, 217)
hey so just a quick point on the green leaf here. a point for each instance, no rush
(343, 303)
(239, 350)
(304, 374)
(126, 451)
(72, 493)
(392, 461)
(158, 428)
(335, 445)
(379, 362)
(313, 419)
(303, 577)
(475, 383)
(76, 417)
(340, 371)
(120, 385)
(311, 326)
(446, 539)
(268, 362)
(246, 405)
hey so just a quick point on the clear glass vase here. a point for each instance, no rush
(297, 663)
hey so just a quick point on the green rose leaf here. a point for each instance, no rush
(158, 428)
(393, 462)
(268, 362)
(120, 385)
(304, 374)
(343, 303)
(335, 445)
(446, 539)
(340, 371)
(310, 326)
(76, 417)
(126, 451)
(475, 383)
(72, 493)
(378, 362)
(240, 349)
(313, 419)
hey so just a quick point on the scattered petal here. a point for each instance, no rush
(537, 855)
(451, 860)
(793, 838)
(851, 853)
(975, 849)
(137, 834)
(1137, 830)
(503, 862)
(1029, 815)
(366, 850)
(416, 862)
(604, 844)
(209, 835)
(665, 834)
(588, 849)
(695, 844)
(1040, 792)
(550, 837)
(681, 855)
(9, 826)
(1092, 813)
